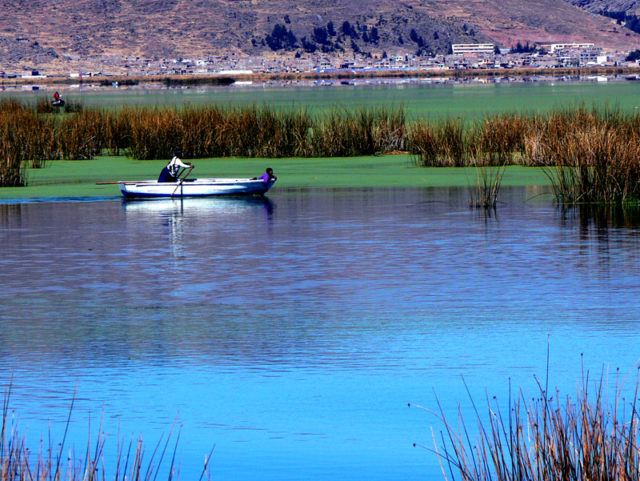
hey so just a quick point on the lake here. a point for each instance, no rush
(471, 98)
(292, 332)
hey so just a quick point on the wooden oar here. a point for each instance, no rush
(126, 182)
(182, 180)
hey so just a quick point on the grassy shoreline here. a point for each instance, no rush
(77, 178)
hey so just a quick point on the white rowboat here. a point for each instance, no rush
(194, 187)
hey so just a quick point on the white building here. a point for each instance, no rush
(553, 47)
(462, 48)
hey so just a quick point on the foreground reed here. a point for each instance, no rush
(547, 438)
(484, 193)
(132, 462)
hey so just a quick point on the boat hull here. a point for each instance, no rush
(194, 188)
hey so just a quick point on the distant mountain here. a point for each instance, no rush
(69, 34)
(598, 6)
(626, 13)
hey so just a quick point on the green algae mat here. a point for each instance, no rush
(75, 178)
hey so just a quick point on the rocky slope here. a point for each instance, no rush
(54, 35)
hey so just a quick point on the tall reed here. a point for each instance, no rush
(24, 137)
(444, 143)
(81, 135)
(590, 155)
(484, 192)
(132, 461)
(546, 438)
(496, 140)
(155, 133)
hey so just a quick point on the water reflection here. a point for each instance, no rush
(605, 217)
(176, 214)
(221, 206)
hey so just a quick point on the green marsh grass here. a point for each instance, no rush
(484, 192)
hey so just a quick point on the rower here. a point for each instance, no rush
(170, 171)
(267, 176)
(57, 100)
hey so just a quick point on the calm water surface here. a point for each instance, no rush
(292, 332)
(471, 98)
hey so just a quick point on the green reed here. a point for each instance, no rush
(546, 438)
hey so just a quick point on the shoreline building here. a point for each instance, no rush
(472, 48)
(554, 47)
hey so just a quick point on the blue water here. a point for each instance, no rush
(292, 332)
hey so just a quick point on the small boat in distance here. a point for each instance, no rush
(192, 187)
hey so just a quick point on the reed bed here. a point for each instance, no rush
(24, 136)
(440, 144)
(44, 133)
(53, 463)
(589, 155)
(547, 438)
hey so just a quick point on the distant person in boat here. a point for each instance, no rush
(57, 100)
(267, 176)
(170, 172)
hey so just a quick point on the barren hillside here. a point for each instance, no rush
(53, 35)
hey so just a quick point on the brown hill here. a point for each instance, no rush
(597, 6)
(70, 33)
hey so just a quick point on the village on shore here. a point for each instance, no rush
(462, 58)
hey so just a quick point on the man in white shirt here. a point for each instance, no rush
(170, 172)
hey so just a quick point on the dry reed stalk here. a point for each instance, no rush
(442, 144)
(81, 135)
(424, 144)
(19, 463)
(155, 133)
(500, 138)
(546, 438)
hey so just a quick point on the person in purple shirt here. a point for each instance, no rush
(267, 176)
